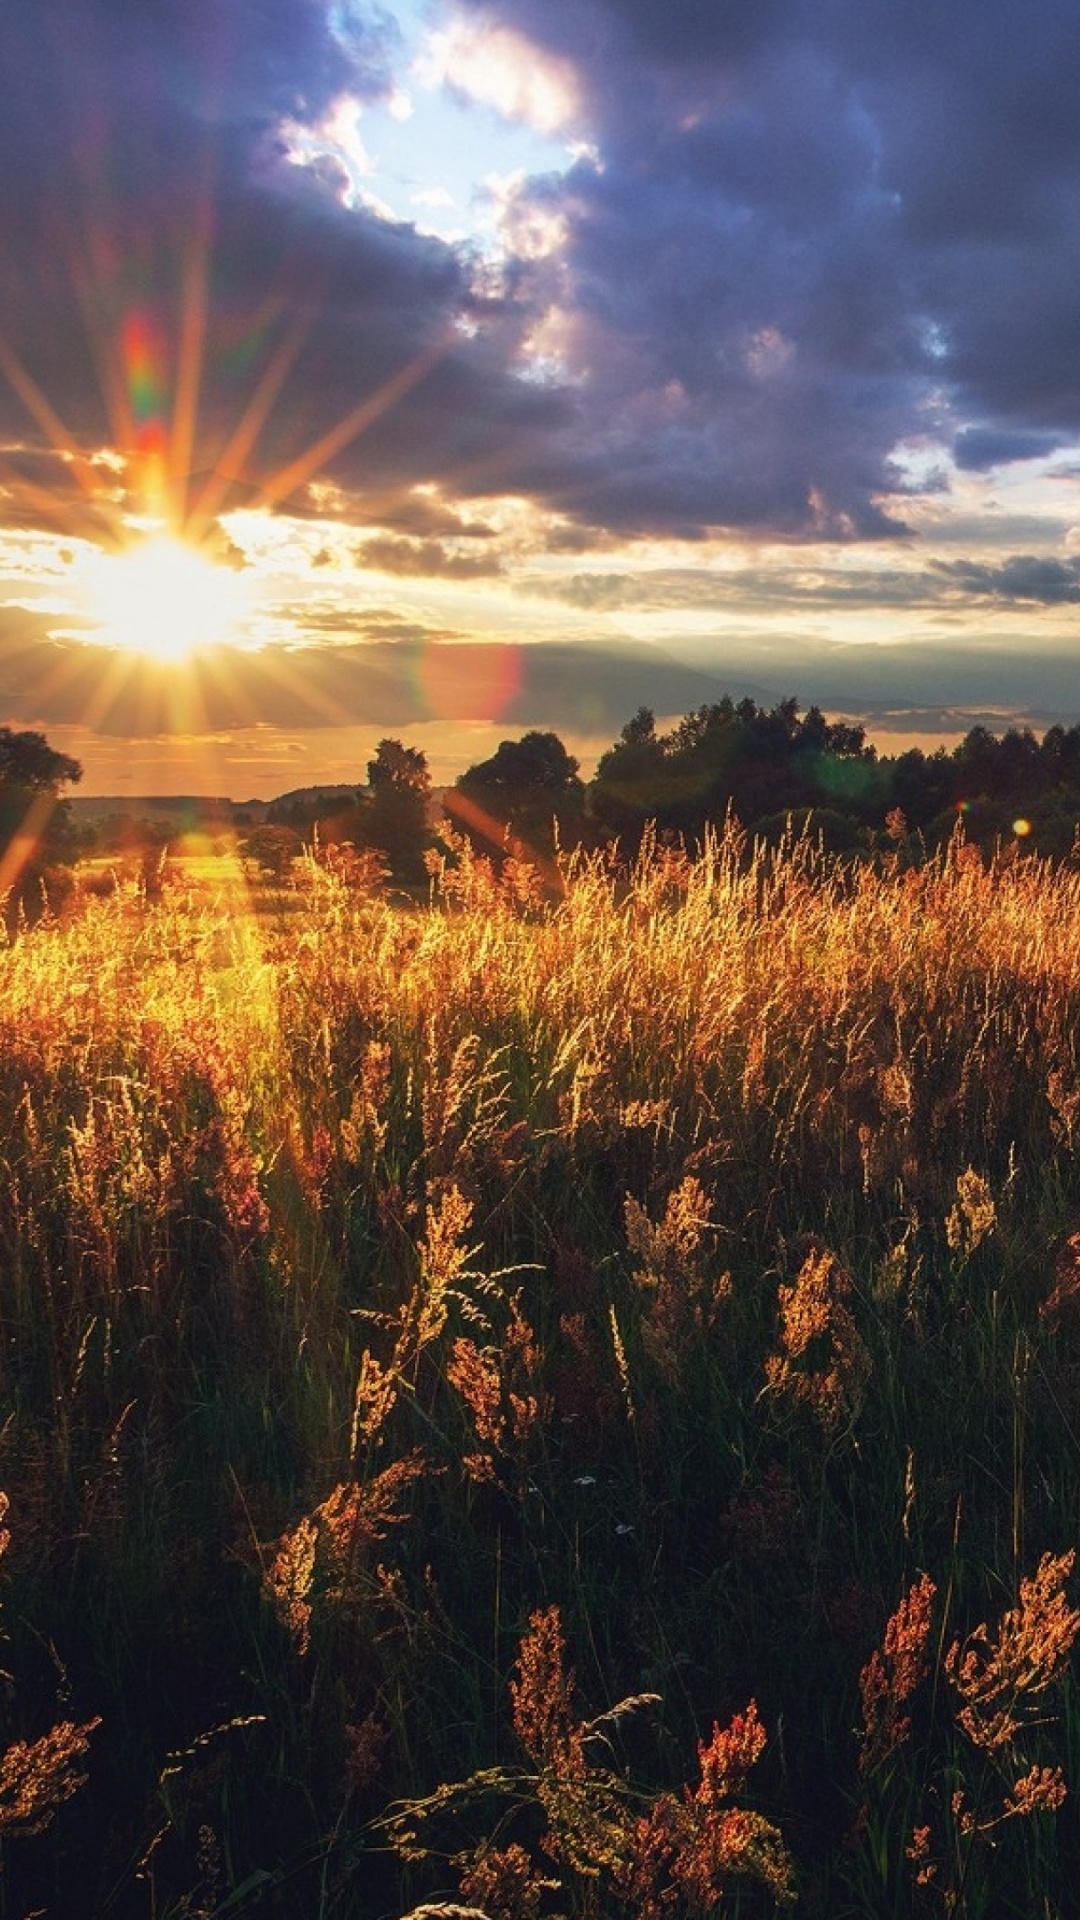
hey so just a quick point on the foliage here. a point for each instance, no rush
(35, 828)
(272, 849)
(526, 798)
(732, 758)
(396, 821)
(774, 769)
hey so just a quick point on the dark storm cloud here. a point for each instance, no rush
(891, 189)
(977, 449)
(813, 231)
(151, 212)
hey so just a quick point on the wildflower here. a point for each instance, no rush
(762, 1518)
(373, 1400)
(896, 1090)
(364, 1746)
(289, 1579)
(694, 1846)
(583, 1382)
(504, 1883)
(442, 1260)
(1063, 1300)
(496, 1384)
(918, 1852)
(729, 1756)
(321, 1559)
(1042, 1790)
(681, 1303)
(366, 1120)
(475, 1375)
(1063, 1096)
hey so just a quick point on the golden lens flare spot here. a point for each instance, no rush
(163, 599)
(1021, 828)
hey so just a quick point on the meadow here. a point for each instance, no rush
(556, 1399)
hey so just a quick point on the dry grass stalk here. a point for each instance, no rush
(1000, 1677)
(973, 1216)
(321, 1562)
(822, 1363)
(892, 1675)
(38, 1776)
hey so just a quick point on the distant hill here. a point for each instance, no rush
(308, 796)
(156, 805)
(182, 810)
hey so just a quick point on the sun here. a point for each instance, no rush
(164, 599)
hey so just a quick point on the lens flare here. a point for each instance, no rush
(468, 682)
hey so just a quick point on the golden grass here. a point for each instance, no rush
(691, 1251)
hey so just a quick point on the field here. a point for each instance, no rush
(562, 1400)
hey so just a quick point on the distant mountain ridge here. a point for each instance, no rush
(191, 811)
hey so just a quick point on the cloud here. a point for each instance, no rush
(1026, 577)
(893, 194)
(168, 244)
(977, 449)
(429, 559)
(499, 68)
(372, 667)
(794, 240)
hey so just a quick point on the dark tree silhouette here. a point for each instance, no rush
(396, 823)
(756, 762)
(35, 824)
(526, 795)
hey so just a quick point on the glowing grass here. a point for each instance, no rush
(694, 1254)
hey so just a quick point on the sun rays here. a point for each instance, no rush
(141, 499)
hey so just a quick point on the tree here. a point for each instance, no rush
(272, 849)
(527, 792)
(396, 822)
(631, 780)
(752, 761)
(35, 830)
(27, 761)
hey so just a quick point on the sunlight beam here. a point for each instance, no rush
(191, 353)
(42, 411)
(229, 465)
(24, 843)
(307, 465)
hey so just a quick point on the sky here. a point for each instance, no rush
(446, 368)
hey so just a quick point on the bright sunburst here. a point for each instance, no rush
(163, 599)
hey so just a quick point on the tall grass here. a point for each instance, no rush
(672, 1278)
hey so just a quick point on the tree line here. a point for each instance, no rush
(774, 769)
